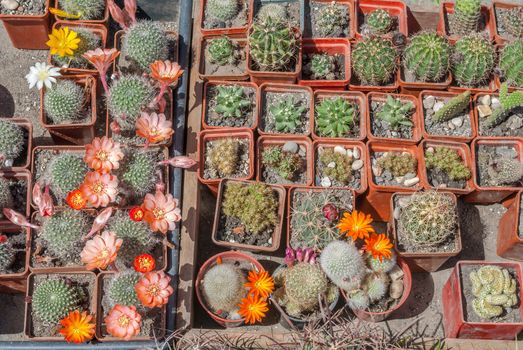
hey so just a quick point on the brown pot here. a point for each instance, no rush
(276, 234)
(16, 282)
(357, 98)
(78, 133)
(415, 87)
(423, 261)
(265, 141)
(445, 94)
(416, 116)
(28, 32)
(26, 161)
(28, 322)
(394, 8)
(281, 89)
(229, 30)
(240, 40)
(22, 174)
(447, 8)
(103, 21)
(509, 244)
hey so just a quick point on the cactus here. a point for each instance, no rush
(255, 205)
(86, 9)
(53, 299)
(513, 22)
(453, 107)
(379, 22)
(224, 156)
(374, 61)
(120, 289)
(12, 140)
(399, 164)
(223, 287)
(222, 10)
(286, 164)
(140, 172)
(495, 290)
(358, 300)
(323, 67)
(376, 286)
(145, 42)
(335, 117)
(507, 103)
(428, 218)
(343, 264)
(272, 45)
(427, 57)
(6, 197)
(65, 102)
(88, 41)
(7, 256)
(304, 283)
(221, 51)
(276, 11)
(66, 172)
(287, 114)
(381, 265)
(331, 21)
(505, 171)
(231, 101)
(449, 161)
(342, 171)
(466, 16)
(511, 63)
(396, 113)
(473, 60)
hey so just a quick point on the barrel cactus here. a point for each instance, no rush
(511, 63)
(144, 43)
(427, 57)
(66, 172)
(331, 20)
(323, 67)
(53, 299)
(223, 287)
(473, 61)
(287, 114)
(65, 102)
(379, 22)
(513, 22)
(120, 289)
(86, 9)
(222, 10)
(374, 61)
(466, 16)
(12, 140)
(88, 41)
(343, 264)
(335, 117)
(221, 51)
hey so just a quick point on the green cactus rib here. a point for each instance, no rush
(511, 63)
(466, 16)
(427, 57)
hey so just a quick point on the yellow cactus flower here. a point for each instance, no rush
(63, 42)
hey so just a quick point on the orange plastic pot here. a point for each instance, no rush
(26, 161)
(16, 282)
(103, 21)
(416, 116)
(447, 8)
(394, 8)
(238, 39)
(509, 244)
(28, 32)
(233, 257)
(356, 98)
(455, 321)
(229, 30)
(23, 175)
(415, 87)
(463, 151)
(492, 87)
(331, 47)
(496, 4)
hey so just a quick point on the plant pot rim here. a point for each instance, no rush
(422, 85)
(241, 39)
(20, 174)
(102, 21)
(28, 126)
(18, 17)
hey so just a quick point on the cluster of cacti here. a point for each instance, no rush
(11, 140)
(86, 9)
(343, 264)
(452, 107)
(7, 256)
(140, 172)
(221, 51)
(286, 164)
(508, 101)
(427, 57)
(341, 171)
(65, 102)
(513, 22)
(335, 117)
(88, 41)
(255, 205)
(62, 233)
(223, 287)
(427, 219)
(145, 42)
(505, 171)
(466, 16)
(473, 60)
(272, 45)
(224, 156)
(287, 114)
(399, 164)
(231, 101)
(449, 161)
(53, 299)
(374, 287)
(6, 197)
(495, 291)
(374, 61)
(274, 10)
(396, 113)
(66, 172)
(379, 22)
(222, 10)
(511, 63)
(331, 21)
(120, 289)
(323, 67)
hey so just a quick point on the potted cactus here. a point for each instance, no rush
(463, 18)
(510, 59)
(249, 216)
(381, 18)
(14, 259)
(27, 25)
(15, 194)
(507, 21)
(16, 140)
(224, 16)
(80, 11)
(223, 57)
(291, 11)
(481, 300)
(509, 243)
(330, 19)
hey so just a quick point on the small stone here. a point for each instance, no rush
(350, 154)
(403, 201)
(428, 102)
(494, 101)
(451, 126)
(340, 150)
(396, 289)
(485, 100)
(357, 165)
(458, 121)
(437, 106)
(10, 4)
(320, 150)
(442, 186)
(376, 170)
(409, 176)
(484, 111)
(396, 273)
(411, 182)
(397, 212)
(515, 122)
(429, 150)
(9, 163)
(303, 149)
(356, 153)
(291, 147)
(269, 241)
(326, 182)
(235, 316)
(331, 165)
(399, 179)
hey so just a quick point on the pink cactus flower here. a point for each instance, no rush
(99, 189)
(123, 322)
(154, 127)
(161, 212)
(103, 155)
(153, 289)
(101, 251)
(179, 162)
(102, 59)
(43, 200)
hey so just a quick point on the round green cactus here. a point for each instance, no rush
(511, 63)
(466, 16)
(12, 140)
(427, 57)
(513, 22)
(304, 282)
(223, 287)
(53, 299)
(379, 22)
(331, 21)
(287, 114)
(6, 197)
(473, 61)
(140, 173)
(343, 264)
(65, 102)
(358, 300)
(86, 9)
(224, 156)
(88, 41)
(376, 286)
(144, 43)
(374, 61)
(66, 172)
(334, 117)
(120, 289)
(382, 265)
(231, 101)
(323, 66)
(222, 10)
(274, 10)
(221, 51)
(7, 256)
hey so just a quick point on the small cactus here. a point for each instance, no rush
(508, 101)
(224, 156)
(473, 60)
(53, 299)
(379, 22)
(376, 286)
(223, 287)
(145, 42)
(343, 264)
(396, 113)
(505, 171)
(231, 101)
(140, 172)
(511, 63)
(120, 289)
(358, 300)
(286, 164)
(65, 102)
(274, 10)
(86, 9)
(331, 21)
(12, 140)
(466, 16)
(449, 161)
(6, 197)
(304, 283)
(287, 114)
(7, 256)
(381, 265)
(374, 61)
(221, 51)
(222, 10)
(335, 117)
(427, 57)
(342, 171)
(399, 164)
(66, 172)
(453, 107)
(88, 41)
(513, 22)
(323, 67)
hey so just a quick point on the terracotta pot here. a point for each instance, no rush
(380, 316)
(415, 117)
(415, 87)
(98, 29)
(16, 282)
(455, 323)
(28, 32)
(22, 174)
(463, 151)
(228, 30)
(28, 322)
(445, 94)
(447, 8)
(492, 194)
(289, 77)
(240, 40)
(222, 133)
(377, 200)
(423, 261)
(331, 47)
(356, 98)
(281, 89)
(265, 141)
(77, 133)
(205, 106)
(278, 228)
(225, 257)
(509, 244)
(347, 144)
(26, 160)
(394, 8)
(103, 21)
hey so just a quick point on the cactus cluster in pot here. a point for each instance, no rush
(12, 142)
(65, 103)
(508, 102)
(448, 161)
(379, 22)
(143, 43)
(84, 9)
(473, 61)
(335, 117)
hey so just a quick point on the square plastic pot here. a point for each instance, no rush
(509, 244)
(103, 21)
(22, 174)
(240, 40)
(28, 32)
(16, 282)
(447, 8)
(394, 8)
(228, 30)
(28, 126)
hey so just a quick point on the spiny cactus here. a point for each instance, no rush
(255, 205)
(286, 164)
(145, 42)
(221, 51)
(223, 287)
(12, 140)
(323, 67)
(331, 21)
(511, 63)
(495, 290)
(7, 256)
(384, 265)
(376, 286)
(140, 172)
(53, 299)
(358, 300)
(466, 16)
(505, 171)
(341, 171)
(222, 10)
(136, 235)
(304, 282)
(427, 57)
(6, 197)
(335, 117)
(86, 9)
(272, 45)
(399, 164)
(65, 102)
(473, 60)
(287, 114)
(231, 101)
(274, 10)
(449, 161)
(396, 113)
(428, 218)
(507, 103)
(513, 22)
(88, 41)
(224, 156)
(343, 264)
(374, 61)
(379, 22)
(66, 172)
(452, 107)
(120, 289)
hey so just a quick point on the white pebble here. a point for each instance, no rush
(411, 182)
(458, 121)
(485, 100)
(356, 153)
(429, 150)
(350, 154)
(376, 170)
(10, 4)
(357, 165)
(331, 165)
(437, 106)
(326, 182)
(397, 212)
(340, 150)
(484, 111)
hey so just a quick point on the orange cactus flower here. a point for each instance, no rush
(161, 212)
(101, 251)
(101, 59)
(144, 263)
(260, 284)
(378, 245)
(253, 309)
(103, 155)
(356, 225)
(77, 327)
(136, 214)
(166, 73)
(153, 289)
(123, 322)
(99, 189)
(76, 200)
(154, 127)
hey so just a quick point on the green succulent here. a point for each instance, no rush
(231, 101)
(453, 107)
(508, 101)
(53, 299)
(323, 67)
(145, 42)
(374, 61)
(12, 140)
(287, 114)
(304, 283)
(396, 113)
(86, 9)
(65, 102)
(427, 57)
(511, 63)
(331, 21)
(449, 161)
(473, 60)
(335, 117)
(342, 171)
(221, 51)
(66, 172)
(379, 22)
(140, 172)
